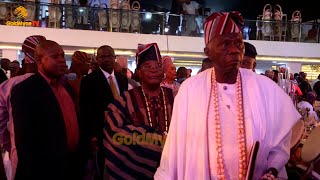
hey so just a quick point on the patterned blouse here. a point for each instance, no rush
(174, 86)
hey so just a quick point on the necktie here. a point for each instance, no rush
(113, 87)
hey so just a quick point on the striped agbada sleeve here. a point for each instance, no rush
(131, 152)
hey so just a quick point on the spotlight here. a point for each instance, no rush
(148, 15)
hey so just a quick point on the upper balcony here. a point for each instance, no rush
(100, 18)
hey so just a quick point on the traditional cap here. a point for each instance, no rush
(80, 57)
(147, 52)
(222, 23)
(250, 50)
(29, 45)
(167, 61)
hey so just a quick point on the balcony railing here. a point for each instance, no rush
(100, 18)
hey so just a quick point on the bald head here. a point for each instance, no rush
(43, 47)
(50, 59)
(105, 47)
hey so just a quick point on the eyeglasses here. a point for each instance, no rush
(158, 67)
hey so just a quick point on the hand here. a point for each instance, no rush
(269, 176)
(272, 174)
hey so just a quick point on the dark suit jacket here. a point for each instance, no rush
(40, 133)
(3, 76)
(95, 96)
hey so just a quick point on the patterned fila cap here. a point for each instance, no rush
(147, 52)
(222, 23)
(29, 45)
(80, 57)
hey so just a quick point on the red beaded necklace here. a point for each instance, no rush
(241, 128)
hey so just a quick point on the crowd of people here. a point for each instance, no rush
(73, 102)
(303, 92)
(98, 120)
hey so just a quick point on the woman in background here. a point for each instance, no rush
(170, 75)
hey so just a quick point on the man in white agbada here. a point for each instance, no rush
(221, 112)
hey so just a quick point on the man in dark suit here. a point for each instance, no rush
(3, 76)
(97, 90)
(45, 120)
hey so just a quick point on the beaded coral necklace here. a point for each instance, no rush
(218, 135)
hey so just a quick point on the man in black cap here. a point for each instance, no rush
(249, 59)
(141, 115)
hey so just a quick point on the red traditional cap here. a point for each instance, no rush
(147, 52)
(222, 23)
(29, 45)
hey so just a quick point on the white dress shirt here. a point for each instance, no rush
(228, 114)
(107, 75)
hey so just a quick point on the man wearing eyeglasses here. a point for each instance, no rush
(97, 90)
(136, 124)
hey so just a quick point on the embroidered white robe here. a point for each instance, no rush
(269, 118)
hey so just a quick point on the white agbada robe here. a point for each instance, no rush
(269, 118)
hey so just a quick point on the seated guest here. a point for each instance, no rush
(144, 112)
